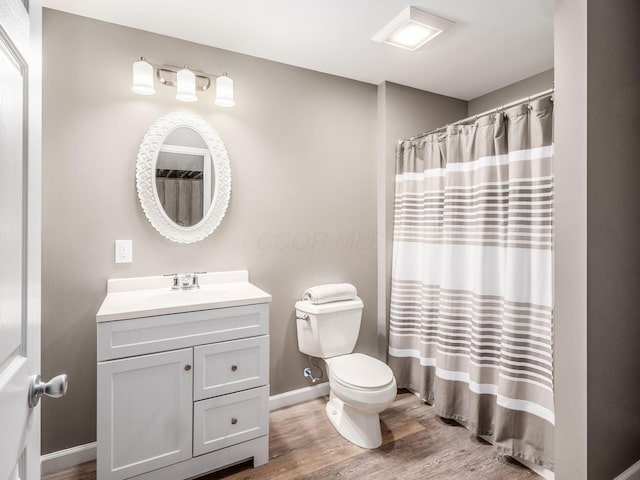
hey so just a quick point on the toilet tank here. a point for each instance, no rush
(331, 328)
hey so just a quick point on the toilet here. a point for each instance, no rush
(360, 386)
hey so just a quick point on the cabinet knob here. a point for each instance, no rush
(187, 367)
(234, 420)
(234, 368)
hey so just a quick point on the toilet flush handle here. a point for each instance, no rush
(304, 317)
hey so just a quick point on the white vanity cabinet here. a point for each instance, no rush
(183, 393)
(144, 413)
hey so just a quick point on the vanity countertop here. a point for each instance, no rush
(150, 296)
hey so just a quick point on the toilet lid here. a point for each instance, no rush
(360, 371)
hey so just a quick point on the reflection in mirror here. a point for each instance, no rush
(184, 177)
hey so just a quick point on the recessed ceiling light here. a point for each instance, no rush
(412, 29)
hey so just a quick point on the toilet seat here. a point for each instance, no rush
(360, 372)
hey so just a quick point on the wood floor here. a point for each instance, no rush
(416, 445)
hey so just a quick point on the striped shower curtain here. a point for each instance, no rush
(182, 199)
(471, 295)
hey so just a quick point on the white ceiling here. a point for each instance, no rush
(494, 42)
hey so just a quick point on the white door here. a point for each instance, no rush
(20, 118)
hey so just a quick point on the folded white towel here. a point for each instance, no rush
(333, 292)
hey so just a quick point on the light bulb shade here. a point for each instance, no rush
(186, 86)
(224, 91)
(143, 78)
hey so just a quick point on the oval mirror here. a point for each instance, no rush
(183, 177)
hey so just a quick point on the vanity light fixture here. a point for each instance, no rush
(224, 91)
(186, 80)
(412, 29)
(143, 78)
(186, 85)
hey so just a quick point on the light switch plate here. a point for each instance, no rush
(124, 251)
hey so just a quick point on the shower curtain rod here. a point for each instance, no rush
(546, 93)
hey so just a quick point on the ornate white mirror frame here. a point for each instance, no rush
(146, 177)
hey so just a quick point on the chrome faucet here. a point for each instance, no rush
(186, 281)
(190, 280)
(175, 283)
(195, 282)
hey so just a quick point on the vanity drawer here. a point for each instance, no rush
(229, 419)
(138, 336)
(227, 367)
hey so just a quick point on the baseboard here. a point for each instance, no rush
(63, 459)
(300, 395)
(631, 473)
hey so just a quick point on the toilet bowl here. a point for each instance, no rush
(360, 386)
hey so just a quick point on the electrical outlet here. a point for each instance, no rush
(124, 251)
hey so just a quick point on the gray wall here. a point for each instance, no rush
(529, 86)
(403, 112)
(597, 330)
(303, 202)
(613, 272)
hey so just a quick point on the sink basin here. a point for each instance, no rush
(198, 295)
(153, 296)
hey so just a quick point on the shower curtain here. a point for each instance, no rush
(471, 295)
(181, 199)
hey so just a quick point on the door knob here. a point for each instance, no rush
(55, 388)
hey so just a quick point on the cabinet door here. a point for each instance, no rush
(228, 367)
(144, 413)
